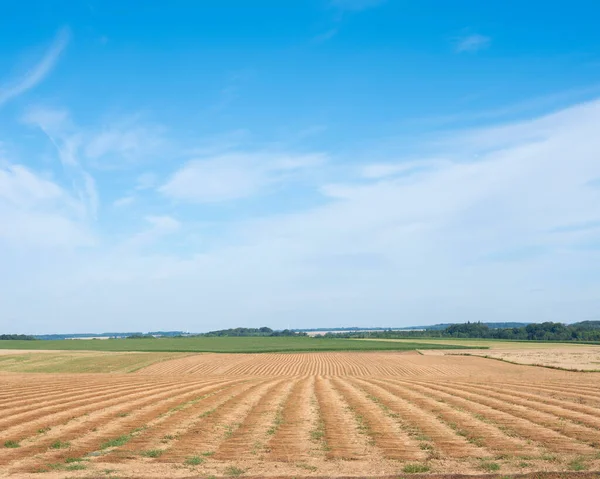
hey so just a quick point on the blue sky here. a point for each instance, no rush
(201, 165)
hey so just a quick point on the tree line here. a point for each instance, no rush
(548, 331)
(13, 337)
(264, 331)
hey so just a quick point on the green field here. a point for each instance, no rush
(224, 345)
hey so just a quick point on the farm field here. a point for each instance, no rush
(78, 361)
(571, 356)
(327, 414)
(489, 343)
(219, 345)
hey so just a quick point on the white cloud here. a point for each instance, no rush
(234, 176)
(124, 201)
(472, 43)
(403, 168)
(36, 211)
(463, 238)
(146, 180)
(39, 71)
(67, 140)
(163, 223)
(123, 140)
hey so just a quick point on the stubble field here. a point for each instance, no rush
(357, 414)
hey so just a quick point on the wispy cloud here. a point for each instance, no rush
(341, 8)
(323, 37)
(236, 175)
(59, 129)
(472, 43)
(35, 211)
(39, 71)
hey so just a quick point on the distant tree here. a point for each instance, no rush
(16, 337)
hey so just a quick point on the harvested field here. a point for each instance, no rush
(324, 414)
(23, 361)
(582, 358)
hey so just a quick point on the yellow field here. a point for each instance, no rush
(78, 361)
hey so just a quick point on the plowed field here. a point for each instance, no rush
(295, 415)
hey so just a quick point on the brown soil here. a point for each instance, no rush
(303, 415)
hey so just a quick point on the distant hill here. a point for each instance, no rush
(442, 326)
(433, 327)
(106, 335)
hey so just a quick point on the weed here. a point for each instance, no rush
(60, 445)
(152, 453)
(40, 470)
(490, 466)
(234, 471)
(123, 414)
(208, 453)
(43, 430)
(307, 467)
(193, 461)
(549, 457)
(76, 467)
(415, 468)
(11, 444)
(256, 447)
(119, 441)
(55, 466)
(276, 423)
(71, 460)
(577, 465)
(425, 446)
(524, 464)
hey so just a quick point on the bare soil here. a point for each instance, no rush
(380, 414)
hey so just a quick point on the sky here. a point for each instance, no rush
(319, 163)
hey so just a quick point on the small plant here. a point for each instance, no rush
(425, 446)
(490, 466)
(193, 461)
(60, 445)
(123, 414)
(208, 453)
(415, 468)
(71, 460)
(43, 430)
(549, 457)
(76, 467)
(306, 466)
(152, 453)
(234, 471)
(577, 465)
(117, 442)
(12, 444)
